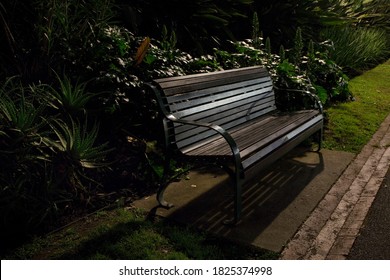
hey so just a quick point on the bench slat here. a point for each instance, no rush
(195, 94)
(206, 104)
(175, 85)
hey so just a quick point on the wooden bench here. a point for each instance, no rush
(230, 118)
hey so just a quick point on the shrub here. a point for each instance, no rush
(357, 48)
(300, 68)
(45, 163)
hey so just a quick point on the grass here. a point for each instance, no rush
(126, 234)
(351, 125)
(129, 234)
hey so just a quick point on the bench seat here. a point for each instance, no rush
(260, 135)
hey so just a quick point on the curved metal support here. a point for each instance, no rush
(316, 99)
(160, 197)
(164, 180)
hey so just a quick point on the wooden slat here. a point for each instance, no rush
(195, 94)
(222, 102)
(193, 82)
(242, 92)
(228, 98)
(280, 129)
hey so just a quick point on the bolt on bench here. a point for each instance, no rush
(230, 118)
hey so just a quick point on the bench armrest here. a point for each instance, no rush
(229, 139)
(316, 99)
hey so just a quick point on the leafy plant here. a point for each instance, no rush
(257, 37)
(69, 98)
(70, 30)
(21, 116)
(164, 60)
(26, 200)
(279, 19)
(76, 145)
(325, 74)
(298, 47)
(368, 14)
(45, 164)
(312, 70)
(244, 54)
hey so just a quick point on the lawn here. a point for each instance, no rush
(351, 125)
(127, 233)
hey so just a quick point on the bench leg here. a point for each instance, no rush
(238, 182)
(164, 184)
(160, 197)
(320, 136)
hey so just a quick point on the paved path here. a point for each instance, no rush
(332, 228)
(373, 241)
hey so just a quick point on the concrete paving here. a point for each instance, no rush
(275, 203)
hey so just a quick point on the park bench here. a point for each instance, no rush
(230, 118)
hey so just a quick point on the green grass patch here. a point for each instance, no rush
(129, 234)
(351, 125)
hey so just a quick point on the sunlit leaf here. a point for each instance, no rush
(142, 50)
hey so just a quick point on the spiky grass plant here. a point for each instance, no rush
(78, 143)
(357, 47)
(74, 152)
(69, 97)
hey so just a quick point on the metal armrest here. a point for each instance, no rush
(217, 128)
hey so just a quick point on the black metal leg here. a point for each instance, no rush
(238, 181)
(160, 197)
(320, 136)
(164, 184)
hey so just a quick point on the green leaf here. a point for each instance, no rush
(141, 51)
(322, 93)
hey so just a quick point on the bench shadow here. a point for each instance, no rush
(266, 197)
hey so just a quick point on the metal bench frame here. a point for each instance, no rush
(230, 118)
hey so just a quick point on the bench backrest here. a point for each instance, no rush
(226, 98)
